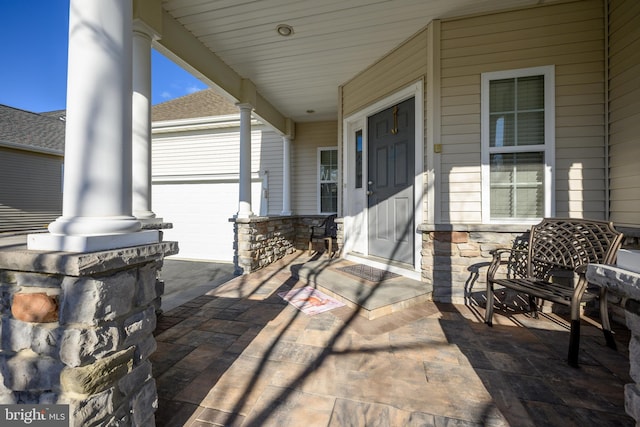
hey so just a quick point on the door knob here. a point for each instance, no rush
(369, 192)
(370, 182)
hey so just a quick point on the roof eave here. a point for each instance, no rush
(31, 148)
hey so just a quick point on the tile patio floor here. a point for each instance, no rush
(241, 356)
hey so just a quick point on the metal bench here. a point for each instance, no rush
(552, 267)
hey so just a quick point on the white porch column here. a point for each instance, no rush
(286, 175)
(244, 204)
(141, 123)
(96, 211)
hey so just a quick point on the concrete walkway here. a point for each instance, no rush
(240, 355)
(185, 280)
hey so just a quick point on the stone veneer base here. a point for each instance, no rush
(92, 352)
(626, 284)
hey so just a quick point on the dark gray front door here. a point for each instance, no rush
(391, 169)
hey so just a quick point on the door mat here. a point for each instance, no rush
(309, 300)
(369, 273)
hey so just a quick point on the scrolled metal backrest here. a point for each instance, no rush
(331, 228)
(518, 262)
(568, 243)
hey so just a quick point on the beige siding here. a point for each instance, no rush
(31, 190)
(395, 71)
(206, 152)
(567, 35)
(213, 152)
(309, 136)
(624, 114)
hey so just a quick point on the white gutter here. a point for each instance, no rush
(199, 123)
(228, 177)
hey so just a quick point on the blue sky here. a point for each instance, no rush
(33, 69)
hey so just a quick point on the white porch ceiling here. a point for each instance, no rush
(333, 41)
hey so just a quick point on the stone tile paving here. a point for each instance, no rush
(242, 357)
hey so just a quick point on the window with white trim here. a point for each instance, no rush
(328, 179)
(518, 111)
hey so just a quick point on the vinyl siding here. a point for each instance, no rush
(211, 152)
(624, 113)
(304, 163)
(31, 190)
(396, 70)
(213, 155)
(207, 152)
(567, 35)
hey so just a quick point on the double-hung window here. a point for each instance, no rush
(328, 179)
(518, 144)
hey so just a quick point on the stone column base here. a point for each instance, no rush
(77, 329)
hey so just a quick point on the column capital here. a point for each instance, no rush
(244, 106)
(149, 14)
(290, 127)
(141, 27)
(248, 92)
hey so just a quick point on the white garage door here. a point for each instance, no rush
(200, 215)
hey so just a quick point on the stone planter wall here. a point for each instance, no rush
(303, 226)
(303, 230)
(260, 241)
(625, 284)
(455, 261)
(77, 329)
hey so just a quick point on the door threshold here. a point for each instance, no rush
(392, 266)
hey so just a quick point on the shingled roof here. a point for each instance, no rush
(47, 130)
(31, 129)
(204, 103)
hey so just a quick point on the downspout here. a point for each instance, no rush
(606, 111)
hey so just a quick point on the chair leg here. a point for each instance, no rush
(574, 343)
(329, 247)
(604, 319)
(574, 337)
(310, 247)
(488, 314)
(533, 307)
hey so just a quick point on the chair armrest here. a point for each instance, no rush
(581, 284)
(501, 251)
(314, 233)
(498, 260)
(581, 269)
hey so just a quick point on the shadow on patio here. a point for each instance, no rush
(242, 356)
